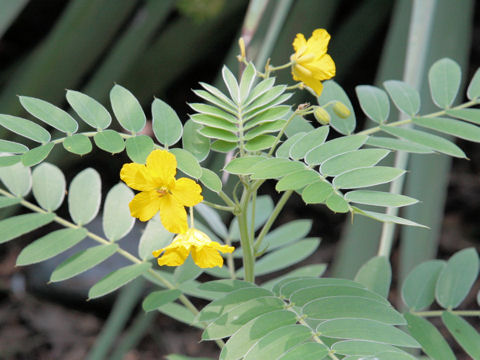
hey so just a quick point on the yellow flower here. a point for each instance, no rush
(311, 64)
(205, 252)
(160, 191)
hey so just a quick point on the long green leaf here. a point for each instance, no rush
(308, 141)
(25, 128)
(279, 341)
(50, 245)
(37, 155)
(352, 160)
(429, 337)
(464, 333)
(246, 337)
(158, 298)
(117, 279)
(379, 198)
(49, 114)
(419, 137)
(365, 177)
(230, 322)
(352, 307)
(82, 261)
(362, 329)
(451, 127)
(18, 225)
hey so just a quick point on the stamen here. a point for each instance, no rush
(162, 191)
(307, 57)
(303, 70)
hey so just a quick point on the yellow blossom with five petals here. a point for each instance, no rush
(205, 252)
(160, 191)
(311, 64)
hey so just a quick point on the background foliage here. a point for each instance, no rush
(153, 48)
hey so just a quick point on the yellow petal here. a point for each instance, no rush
(162, 166)
(173, 256)
(318, 42)
(299, 42)
(322, 68)
(206, 257)
(145, 205)
(173, 214)
(187, 192)
(309, 81)
(137, 177)
(222, 248)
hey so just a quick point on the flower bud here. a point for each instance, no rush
(341, 110)
(241, 45)
(322, 116)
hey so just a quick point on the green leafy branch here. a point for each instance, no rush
(84, 200)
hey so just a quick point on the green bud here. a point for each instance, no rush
(322, 116)
(341, 110)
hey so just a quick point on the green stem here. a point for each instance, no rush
(219, 207)
(440, 312)
(280, 67)
(227, 199)
(273, 216)
(280, 134)
(245, 240)
(252, 218)
(241, 144)
(230, 263)
(376, 129)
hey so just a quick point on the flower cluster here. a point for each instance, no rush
(161, 192)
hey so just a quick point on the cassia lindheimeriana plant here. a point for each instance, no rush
(299, 314)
